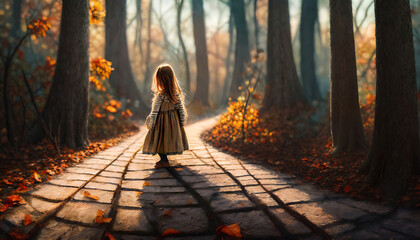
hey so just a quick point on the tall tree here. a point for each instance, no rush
(394, 153)
(241, 48)
(139, 24)
(116, 51)
(180, 4)
(228, 62)
(148, 70)
(346, 124)
(199, 28)
(256, 26)
(283, 89)
(308, 19)
(66, 110)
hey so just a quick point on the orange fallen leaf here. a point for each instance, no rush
(17, 235)
(7, 182)
(109, 236)
(347, 189)
(232, 230)
(146, 184)
(100, 217)
(88, 195)
(4, 207)
(168, 213)
(189, 202)
(27, 220)
(37, 177)
(170, 231)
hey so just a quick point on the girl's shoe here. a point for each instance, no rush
(162, 164)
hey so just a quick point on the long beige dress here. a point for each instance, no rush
(166, 134)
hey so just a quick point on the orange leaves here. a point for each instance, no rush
(12, 200)
(37, 177)
(100, 217)
(170, 231)
(110, 109)
(96, 12)
(231, 230)
(347, 189)
(101, 67)
(112, 106)
(88, 195)
(27, 220)
(146, 184)
(168, 213)
(39, 26)
(127, 113)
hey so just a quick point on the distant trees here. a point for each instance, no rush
(283, 89)
(241, 48)
(346, 124)
(66, 110)
(179, 4)
(202, 92)
(16, 17)
(394, 154)
(309, 16)
(116, 51)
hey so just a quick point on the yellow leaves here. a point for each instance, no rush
(88, 195)
(96, 12)
(39, 27)
(110, 109)
(100, 217)
(170, 231)
(231, 230)
(37, 177)
(27, 220)
(127, 113)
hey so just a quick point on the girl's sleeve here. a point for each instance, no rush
(151, 119)
(182, 112)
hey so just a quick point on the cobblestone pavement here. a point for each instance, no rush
(204, 189)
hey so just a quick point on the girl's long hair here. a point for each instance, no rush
(165, 81)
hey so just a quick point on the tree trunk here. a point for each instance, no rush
(16, 18)
(346, 124)
(184, 50)
(242, 46)
(308, 19)
(283, 89)
(66, 110)
(147, 70)
(139, 23)
(394, 153)
(227, 83)
(202, 89)
(116, 51)
(256, 26)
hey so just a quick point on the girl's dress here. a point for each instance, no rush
(166, 127)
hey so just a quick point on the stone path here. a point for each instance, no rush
(204, 189)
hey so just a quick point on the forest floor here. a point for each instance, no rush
(24, 168)
(204, 194)
(304, 148)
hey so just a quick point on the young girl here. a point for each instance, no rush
(166, 121)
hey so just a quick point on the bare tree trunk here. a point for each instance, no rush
(228, 63)
(139, 23)
(256, 26)
(394, 153)
(202, 92)
(116, 51)
(346, 124)
(283, 89)
(147, 71)
(66, 110)
(308, 19)
(242, 46)
(180, 4)
(16, 18)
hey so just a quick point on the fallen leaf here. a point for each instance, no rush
(88, 195)
(4, 207)
(146, 184)
(37, 177)
(168, 213)
(17, 235)
(189, 202)
(27, 220)
(232, 230)
(138, 194)
(170, 231)
(347, 189)
(100, 217)
(109, 236)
